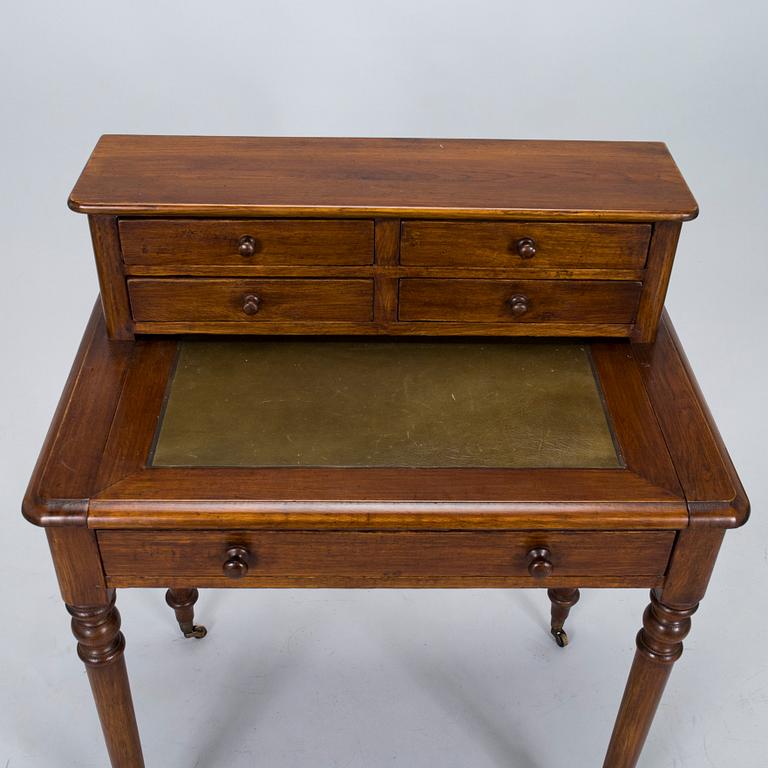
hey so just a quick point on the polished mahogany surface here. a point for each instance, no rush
(196, 175)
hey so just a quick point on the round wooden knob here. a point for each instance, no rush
(518, 304)
(236, 564)
(246, 246)
(539, 563)
(251, 303)
(526, 247)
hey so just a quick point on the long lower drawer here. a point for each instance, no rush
(357, 558)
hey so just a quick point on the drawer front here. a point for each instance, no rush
(251, 242)
(528, 245)
(518, 301)
(250, 301)
(335, 557)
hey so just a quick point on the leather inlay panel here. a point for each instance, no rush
(379, 403)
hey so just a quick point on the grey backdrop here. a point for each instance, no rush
(392, 678)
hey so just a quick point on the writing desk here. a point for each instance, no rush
(258, 459)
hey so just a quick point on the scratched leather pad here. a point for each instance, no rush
(370, 403)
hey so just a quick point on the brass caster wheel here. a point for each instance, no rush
(561, 638)
(198, 632)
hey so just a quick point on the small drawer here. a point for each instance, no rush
(518, 301)
(254, 558)
(176, 243)
(524, 245)
(250, 301)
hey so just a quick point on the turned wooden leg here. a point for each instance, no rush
(183, 603)
(100, 646)
(666, 622)
(659, 646)
(563, 600)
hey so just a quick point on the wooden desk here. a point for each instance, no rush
(334, 460)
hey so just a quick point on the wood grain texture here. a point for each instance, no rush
(387, 257)
(445, 178)
(379, 270)
(385, 300)
(642, 448)
(398, 328)
(387, 235)
(77, 561)
(66, 469)
(344, 209)
(494, 244)
(376, 556)
(109, 265)
(666, 622)
(390, 499)
(690, 567)
(661, 255)
(488, 301)
(132, 429)
(659, 646)
(177, 243)
(713, 489)
(392, 581)
(203, 300)
(101, 648)
(109, 513)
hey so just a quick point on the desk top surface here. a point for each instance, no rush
(590, 436)
(451, 178)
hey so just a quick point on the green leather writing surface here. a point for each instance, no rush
(371, 403)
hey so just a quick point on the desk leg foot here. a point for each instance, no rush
(659, 646)
(183, 603)
(100, 646)
(563, 600)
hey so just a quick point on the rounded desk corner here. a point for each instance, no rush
(692, 214)
(727, 513)
(76, 205)
(46, 513)
(740, 508)
(34, 510)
